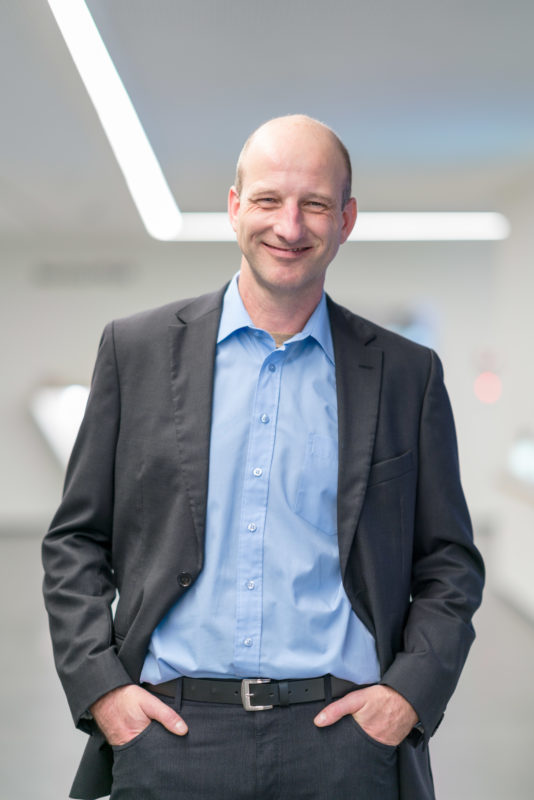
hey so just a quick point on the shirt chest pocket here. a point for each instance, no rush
(316, 494)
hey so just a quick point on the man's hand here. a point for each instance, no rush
(124, 712)
(382, 712)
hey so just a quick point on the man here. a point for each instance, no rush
(271, 484)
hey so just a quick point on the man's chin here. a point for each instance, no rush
(289, 282)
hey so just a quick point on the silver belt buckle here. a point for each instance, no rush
(246, 694)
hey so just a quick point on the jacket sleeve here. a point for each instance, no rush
(79, 584)
(447, 570)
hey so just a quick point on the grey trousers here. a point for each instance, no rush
(233, 754)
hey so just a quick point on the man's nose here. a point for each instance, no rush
(289, 224)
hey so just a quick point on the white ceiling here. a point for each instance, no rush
(433, 98)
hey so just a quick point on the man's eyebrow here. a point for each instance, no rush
(325, 198)
(262, 190)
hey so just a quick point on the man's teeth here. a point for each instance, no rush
(289, 249)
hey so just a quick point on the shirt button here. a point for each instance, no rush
(257, 472)
(185, 579)
(265, 418)
(247, 642)
(251, 527)
(271, 368)
(251, 585)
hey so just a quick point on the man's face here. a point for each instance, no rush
(288, 217)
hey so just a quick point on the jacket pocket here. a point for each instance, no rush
(391, 468)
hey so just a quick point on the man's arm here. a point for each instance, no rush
(447, 580)
(79, 584)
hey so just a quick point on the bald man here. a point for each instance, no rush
(271, 485)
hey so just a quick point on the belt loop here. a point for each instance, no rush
(178, 696)
(283, 693)
(327, 689)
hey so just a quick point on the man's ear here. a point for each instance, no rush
(349, 213)
(233, 206)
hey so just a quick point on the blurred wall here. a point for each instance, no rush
(514, 343)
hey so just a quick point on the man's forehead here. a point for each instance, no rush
(291, 182)
(280, 138)
(278, 158)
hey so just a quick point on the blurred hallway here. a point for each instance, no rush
(481, 752)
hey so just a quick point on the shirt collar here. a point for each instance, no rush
(235, 316)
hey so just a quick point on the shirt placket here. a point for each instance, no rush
(247, 645)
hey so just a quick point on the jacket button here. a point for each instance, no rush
(185, 579)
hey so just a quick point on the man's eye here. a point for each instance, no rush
(315, 204)
(266, 200)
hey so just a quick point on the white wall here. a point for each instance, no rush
(514, 341)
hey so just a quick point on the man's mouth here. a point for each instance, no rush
(287, 250)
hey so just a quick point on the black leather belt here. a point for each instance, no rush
(255, 694)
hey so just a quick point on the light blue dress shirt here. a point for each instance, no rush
(269, 601)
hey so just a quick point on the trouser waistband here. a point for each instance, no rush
(256, 694)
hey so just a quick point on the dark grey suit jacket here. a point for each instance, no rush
(133, 513)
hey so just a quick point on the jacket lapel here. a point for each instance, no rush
(358, 381)
(192, 355)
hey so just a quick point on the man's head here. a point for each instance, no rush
(295, 119)
(289, 206)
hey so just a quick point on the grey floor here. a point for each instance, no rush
(481, 752)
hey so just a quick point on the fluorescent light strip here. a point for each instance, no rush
(380, 226)
(427, 226)
(146, 182)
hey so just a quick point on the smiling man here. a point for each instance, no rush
(271, 485)
(290, 211)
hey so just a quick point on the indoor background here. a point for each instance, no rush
(434, 101)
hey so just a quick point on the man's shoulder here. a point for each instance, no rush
(178, 312)
(373, 335)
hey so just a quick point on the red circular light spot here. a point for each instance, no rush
(488, 387)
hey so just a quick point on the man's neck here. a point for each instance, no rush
(278, 311)
(280, 338)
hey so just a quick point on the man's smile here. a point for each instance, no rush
(287, 252)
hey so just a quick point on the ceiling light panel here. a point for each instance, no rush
(142, 172)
